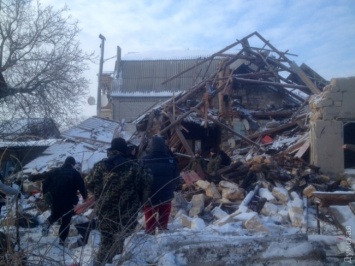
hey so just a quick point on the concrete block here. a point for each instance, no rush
(212, 191)
(308, 191)
(296, 216)
(335, 96)
(186, 221)
(255, 224)
(281, 194)
(202, 184)
(233, 194)
(326, 103)
(343, 84)
(269, 209)
(197, 205)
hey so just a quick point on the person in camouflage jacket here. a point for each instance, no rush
(121, 187)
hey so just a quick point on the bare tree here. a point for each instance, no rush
(41, 63)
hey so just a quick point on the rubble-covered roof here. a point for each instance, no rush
(93, 130)
(86, 142)
(29, 143)
(253, 81)
(85, 155)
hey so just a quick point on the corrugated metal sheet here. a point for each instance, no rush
(30, 143)
(147, 76)
(87, 143)
(93, 129)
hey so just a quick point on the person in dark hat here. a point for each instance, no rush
(165, 178)
(118, 144)
(59, 187)
(120, 187)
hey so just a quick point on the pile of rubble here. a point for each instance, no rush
(255, 107)
(280, 187)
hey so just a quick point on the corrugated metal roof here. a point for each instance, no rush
(87, 143)
(94, 129)
(167, 55)
(30, 143)
(55, 155)
(147, 76)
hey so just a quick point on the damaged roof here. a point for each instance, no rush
(86, 142)
(254, 81)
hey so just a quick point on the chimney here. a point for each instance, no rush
(118, 62)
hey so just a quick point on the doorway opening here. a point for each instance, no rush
(349, 138)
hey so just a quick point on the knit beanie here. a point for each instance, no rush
(118, 144)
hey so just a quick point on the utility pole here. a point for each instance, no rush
(103, 39)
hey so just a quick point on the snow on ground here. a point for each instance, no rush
(202, 244)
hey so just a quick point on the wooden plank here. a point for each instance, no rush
(286, 85)
(303, 149)
(304, 78)
(273, 130)
(334, 198)
(296, 69)
(236, 133)
(208, 58)
(144, 135)
(181, 137)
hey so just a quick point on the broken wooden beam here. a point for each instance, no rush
(273, 130)
(286, 85)
(268, 114)
(181, 137)
(235, 133)
(296, 69)
(208, 58)
(334, 198)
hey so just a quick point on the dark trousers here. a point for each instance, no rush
(64, 211)
(151, 222)
(114, 231)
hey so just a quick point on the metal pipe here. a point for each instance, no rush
(98, 104)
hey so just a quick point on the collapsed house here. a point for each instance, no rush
(276, 121)
(253, 93)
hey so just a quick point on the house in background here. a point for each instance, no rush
(28, 129)
(86, 142)
(137, 82)
(22, 140)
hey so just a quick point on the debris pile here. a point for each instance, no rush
(281, 187)
(255, 108)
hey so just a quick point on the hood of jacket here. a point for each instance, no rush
(158, 144)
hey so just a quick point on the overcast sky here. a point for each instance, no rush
(320, 32)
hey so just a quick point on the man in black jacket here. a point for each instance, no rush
(60, 187)
(165, 171)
